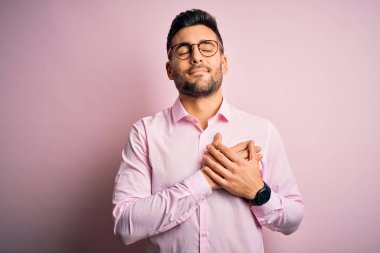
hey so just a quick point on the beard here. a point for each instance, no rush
(201, 88)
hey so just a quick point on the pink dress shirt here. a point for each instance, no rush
(161, 194)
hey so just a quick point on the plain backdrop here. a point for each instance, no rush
(74, 76)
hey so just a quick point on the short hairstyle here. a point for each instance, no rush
(191, 18)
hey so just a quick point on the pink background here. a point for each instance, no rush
(74, 76)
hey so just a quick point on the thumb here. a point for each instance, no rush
(217, 139)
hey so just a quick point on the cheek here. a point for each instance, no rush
(180, 67)
(218, 67)
(216, 62)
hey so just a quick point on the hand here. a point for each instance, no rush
(230, 171)
(216, 141)
(245, 150)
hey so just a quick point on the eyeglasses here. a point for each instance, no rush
(184, 50)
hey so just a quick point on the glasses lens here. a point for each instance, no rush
(208, 47)
(182, 51)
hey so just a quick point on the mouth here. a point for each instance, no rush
(198, 71)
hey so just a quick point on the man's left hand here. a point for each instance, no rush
(239, 176)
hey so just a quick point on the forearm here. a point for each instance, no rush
(284, 210)
(282, 214)
(138, 218)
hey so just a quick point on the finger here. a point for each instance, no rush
(211, 182)
(243, 154)
(220, 157)
(217, 139)
(257, 149)
(209, 156)
(240, 146)
(251, 149)
(259, 157)
(214, 176)
(216, 167)
(232, 156)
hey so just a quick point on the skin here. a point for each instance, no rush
(236, 169)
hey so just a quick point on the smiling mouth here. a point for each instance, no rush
(198, 70)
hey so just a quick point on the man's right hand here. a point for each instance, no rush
(246, 150)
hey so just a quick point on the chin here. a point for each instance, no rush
(201, 80)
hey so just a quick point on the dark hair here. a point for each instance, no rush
(190, 18)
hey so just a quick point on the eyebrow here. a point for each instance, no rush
(185, 42)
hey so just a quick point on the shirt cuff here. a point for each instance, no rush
(273, 204)
(198, 186)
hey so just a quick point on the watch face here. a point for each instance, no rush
(264, 196)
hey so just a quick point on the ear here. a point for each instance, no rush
(224, 64)
(169, 70)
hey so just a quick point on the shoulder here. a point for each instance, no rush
(158, 120)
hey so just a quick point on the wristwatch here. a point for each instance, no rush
(262, 196)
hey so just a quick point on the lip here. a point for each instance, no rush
(198, 70)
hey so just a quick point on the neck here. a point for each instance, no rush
(202, 108)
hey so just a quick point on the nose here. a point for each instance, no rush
(196, 56)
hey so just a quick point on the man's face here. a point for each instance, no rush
(198, 76)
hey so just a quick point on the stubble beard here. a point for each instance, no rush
(198, 89)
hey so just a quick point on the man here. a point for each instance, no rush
(190, 178)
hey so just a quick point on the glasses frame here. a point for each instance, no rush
(218, 45)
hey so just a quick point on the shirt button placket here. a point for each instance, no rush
(203, 210)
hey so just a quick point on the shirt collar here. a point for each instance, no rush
(179, 112)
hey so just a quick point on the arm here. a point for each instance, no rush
(284, 210)
(139, 214)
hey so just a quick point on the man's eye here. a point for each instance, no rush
(182, 50)
(207, 47)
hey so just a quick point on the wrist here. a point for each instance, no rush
(255, 189)
(261, 197)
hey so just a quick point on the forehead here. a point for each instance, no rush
(194, 34)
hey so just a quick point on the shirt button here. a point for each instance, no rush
(204, 234)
